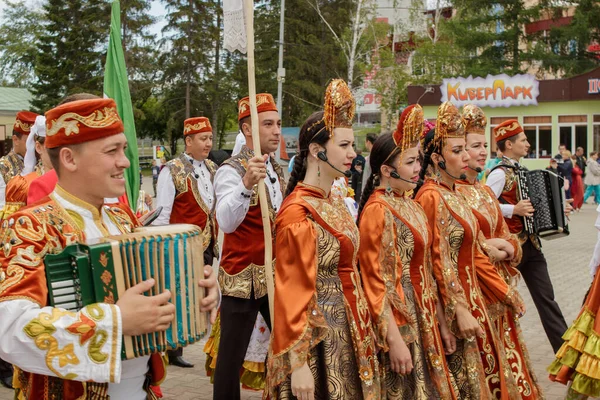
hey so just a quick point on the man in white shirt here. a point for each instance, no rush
(186, 195)
(60, 354)
(512, 141)
(242, 272)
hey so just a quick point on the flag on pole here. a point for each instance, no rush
(234, 26)
(116, 86)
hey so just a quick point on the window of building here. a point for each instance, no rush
(573, 131)
(539, 136)
(2, 132)
(596, 130)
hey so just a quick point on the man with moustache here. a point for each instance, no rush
(242, 272)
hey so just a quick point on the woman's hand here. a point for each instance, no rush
(400, 358)
(468, 327)
(303, 383)
(502, 245)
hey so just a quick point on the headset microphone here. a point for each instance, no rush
(442, 165)
(476, 169)
(395, 175)
(323, 157)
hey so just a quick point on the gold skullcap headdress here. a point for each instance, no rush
(449, 124)
(474, 119)
(339, 106)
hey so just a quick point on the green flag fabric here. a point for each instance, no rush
(116, 86)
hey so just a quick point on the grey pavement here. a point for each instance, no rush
(568, 260)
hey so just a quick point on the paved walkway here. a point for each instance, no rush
(568, 262)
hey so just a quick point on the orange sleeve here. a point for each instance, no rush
(445, 269)
(493, 287)
(379, 266)
(503, 232)
(298, 322)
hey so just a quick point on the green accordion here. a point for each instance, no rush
(99, 272)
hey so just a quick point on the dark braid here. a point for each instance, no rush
(384, 152)
(313, 131)
(428, 150)
(298, 173)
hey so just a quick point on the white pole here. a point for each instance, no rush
(280, 71)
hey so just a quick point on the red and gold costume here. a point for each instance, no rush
(17, 190)
(395, 265)
(479, 365)
(67, 355)
(499, 291)
(321, 313)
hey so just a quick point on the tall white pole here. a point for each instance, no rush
(280, 70)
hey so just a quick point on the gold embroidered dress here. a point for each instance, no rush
(321, 314)
(479, 366)
(58, 353)
(499, 294)
(395, 264)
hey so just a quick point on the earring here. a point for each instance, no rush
(319, 170)
(388, 190)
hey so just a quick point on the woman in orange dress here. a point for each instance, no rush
(479, 365)
(322, 343)
(499, 286)
(395, 266)
(577, 362)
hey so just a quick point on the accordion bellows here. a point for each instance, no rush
(84, 274)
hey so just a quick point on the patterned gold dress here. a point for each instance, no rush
(499, 291)
(321, 314)
(479, 365)
(395, 264)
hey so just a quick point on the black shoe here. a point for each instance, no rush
(6, 381)
(180, 362)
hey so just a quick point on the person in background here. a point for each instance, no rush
(592, 178)
(358, 165)
(370, 139)
(553, 166)
(489, 164)
(566, 171)
(581, 161)
(155, 172)
(577, 185)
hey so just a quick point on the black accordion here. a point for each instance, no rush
(545, 191)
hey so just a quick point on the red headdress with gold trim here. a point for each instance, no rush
(449, 124)
(410, 127)
(508, 128)
(82, 121)
(264, 102)
(474, 119)
(191, 126)
(24, 122)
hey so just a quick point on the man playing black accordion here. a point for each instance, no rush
(61, 354)
(512, 141)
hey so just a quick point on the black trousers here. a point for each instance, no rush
(6, 369)
(238, 317)
(534, 270)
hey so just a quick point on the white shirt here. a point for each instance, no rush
(233, 199)
(16, 347)
(496, 181)
(596, 256)
(165, 190)
(240, 142)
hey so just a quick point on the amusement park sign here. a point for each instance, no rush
(492, 91)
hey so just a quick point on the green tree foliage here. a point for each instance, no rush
(565, 50)
(20, 29)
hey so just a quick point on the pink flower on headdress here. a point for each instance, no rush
(427, 126)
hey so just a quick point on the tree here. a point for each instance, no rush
(492, 36)
(565, 51)
(71, 50)
(20, 30)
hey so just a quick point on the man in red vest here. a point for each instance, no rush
(512, 141)
(185, 192)
(242, 272)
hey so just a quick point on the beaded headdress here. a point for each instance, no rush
(410, 127)
(339, 106)
(474, 119)
(449, 124)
